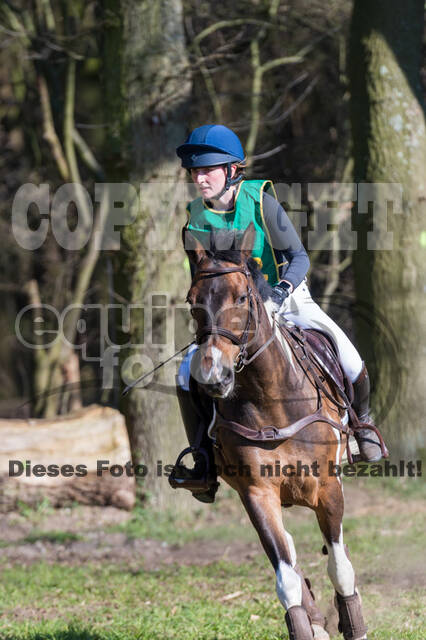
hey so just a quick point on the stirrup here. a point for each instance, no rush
(372, 447)
(192, 484)
(187, 480)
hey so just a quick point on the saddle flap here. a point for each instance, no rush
(325, 352)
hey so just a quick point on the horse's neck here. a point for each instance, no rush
(272, 389)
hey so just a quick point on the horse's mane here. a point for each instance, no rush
(232, 240)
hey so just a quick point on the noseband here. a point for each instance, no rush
(241, 341)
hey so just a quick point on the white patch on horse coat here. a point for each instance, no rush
(338, 435)
(289, 586)
(270, 308)
(292, 548)
(215, 370)
(212, 423)
(286, 350)
(339, 567)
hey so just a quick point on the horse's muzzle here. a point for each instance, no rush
(222, 387)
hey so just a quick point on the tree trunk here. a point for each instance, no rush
(155, 86)
(389, 146)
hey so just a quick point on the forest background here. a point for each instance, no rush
(325, 97)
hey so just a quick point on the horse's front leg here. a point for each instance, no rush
(264, 509)
(340, 569)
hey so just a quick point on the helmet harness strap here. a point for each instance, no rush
(229, 181)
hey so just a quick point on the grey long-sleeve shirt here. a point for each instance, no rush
(286, 243)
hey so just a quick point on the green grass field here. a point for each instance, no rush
(54, 586)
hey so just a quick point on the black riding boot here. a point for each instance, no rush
(368, 441)
(202, 479)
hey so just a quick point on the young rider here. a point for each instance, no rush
(214, 156)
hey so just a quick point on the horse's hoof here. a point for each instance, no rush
(320, 633)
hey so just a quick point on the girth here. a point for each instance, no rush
(271, 433)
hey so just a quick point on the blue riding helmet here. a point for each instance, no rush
(210, 145)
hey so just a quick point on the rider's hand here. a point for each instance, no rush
(280, 293)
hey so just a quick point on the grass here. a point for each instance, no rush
(58, 537)
(126, 602)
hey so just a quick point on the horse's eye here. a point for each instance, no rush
(242, 299)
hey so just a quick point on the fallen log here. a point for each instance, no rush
(79, 457)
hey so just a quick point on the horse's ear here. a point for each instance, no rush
(247, 241)
(194, 249)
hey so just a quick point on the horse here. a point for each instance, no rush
(257, 386)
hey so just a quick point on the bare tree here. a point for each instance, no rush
(49, 40)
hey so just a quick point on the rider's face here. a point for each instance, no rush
(209, 180)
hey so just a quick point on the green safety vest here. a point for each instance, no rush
(248, 207)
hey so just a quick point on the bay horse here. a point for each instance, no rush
(257, 387)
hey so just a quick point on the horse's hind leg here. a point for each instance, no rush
(340, 570)
(264, 510)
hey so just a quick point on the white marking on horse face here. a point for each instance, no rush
(292, 548)
(217, 359)
(340, 568)
(288, 585)
(213, 375)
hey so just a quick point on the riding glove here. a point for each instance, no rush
(280, 293)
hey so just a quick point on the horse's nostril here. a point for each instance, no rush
(227, 376)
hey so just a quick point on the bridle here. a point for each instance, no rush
(241, 359)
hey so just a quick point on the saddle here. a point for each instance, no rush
(321, 350)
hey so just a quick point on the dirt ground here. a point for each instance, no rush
(97, 545)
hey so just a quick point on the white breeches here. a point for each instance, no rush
(306, 314)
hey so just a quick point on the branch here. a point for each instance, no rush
(232, 23)
(268, 154)
(87, 266)
(255, 98)
(278, 62)
(49, 132)
(294, 106)
(45, 14)
(33, 293)
(217, 108)
(69, 122)
(258, 71)
(87, 155)
(69, 128)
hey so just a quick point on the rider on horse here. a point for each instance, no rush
(214, 157)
